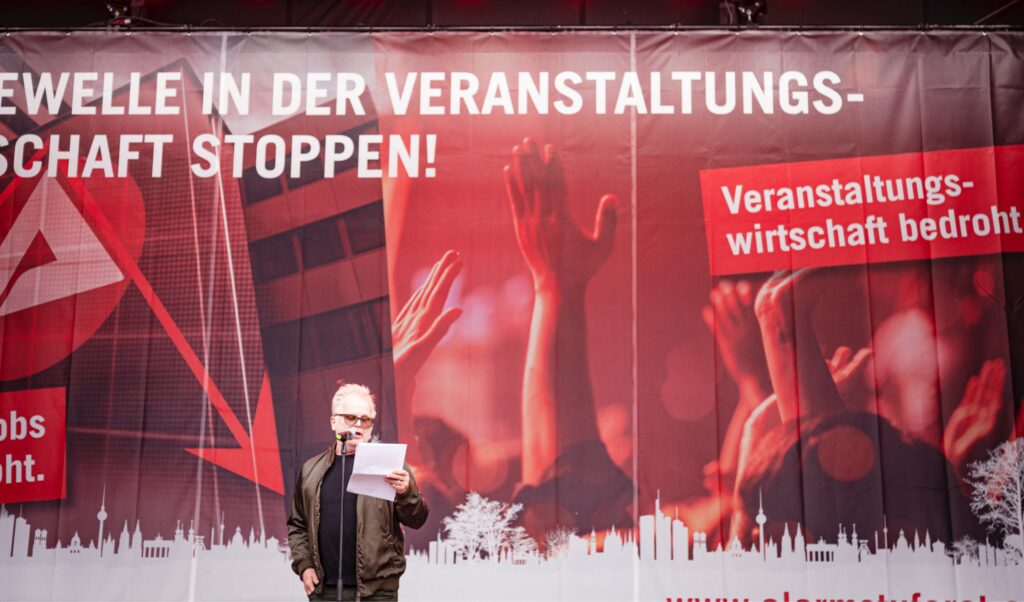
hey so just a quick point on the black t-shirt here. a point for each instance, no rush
(330, 523)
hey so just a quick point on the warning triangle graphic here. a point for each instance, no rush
(51, 253)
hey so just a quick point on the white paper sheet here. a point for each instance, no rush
(373, 462)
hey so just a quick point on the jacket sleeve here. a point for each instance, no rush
(298, 531)
(411, 507)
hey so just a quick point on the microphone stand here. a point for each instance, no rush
(343, 438)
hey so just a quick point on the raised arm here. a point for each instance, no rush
(730, 318)
(980, 420)
(558, 399)
(799, 373)
(415, 332)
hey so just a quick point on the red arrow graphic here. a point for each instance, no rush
(256, 458)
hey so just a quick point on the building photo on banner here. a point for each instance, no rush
(593, 314)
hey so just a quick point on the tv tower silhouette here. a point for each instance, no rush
(102, 517)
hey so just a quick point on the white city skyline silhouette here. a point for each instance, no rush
(660, 560)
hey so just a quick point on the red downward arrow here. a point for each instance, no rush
(257, 457)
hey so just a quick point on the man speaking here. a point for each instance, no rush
(371, 545)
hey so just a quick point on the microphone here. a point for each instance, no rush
(345, 436)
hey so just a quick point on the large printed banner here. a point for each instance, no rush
(661, 316)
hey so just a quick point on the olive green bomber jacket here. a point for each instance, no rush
(380, 543)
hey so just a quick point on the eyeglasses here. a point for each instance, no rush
(360, 421)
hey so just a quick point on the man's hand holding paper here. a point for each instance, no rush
(379, 472)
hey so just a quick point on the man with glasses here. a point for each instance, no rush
(373, 549)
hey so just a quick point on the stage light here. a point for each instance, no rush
(119, 9)
(741, 12)
(125, 13)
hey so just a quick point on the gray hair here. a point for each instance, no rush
(351, 389)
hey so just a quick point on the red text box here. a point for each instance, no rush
(32, 445)
(864, 209)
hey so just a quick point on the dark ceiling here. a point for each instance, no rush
(502, 13)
